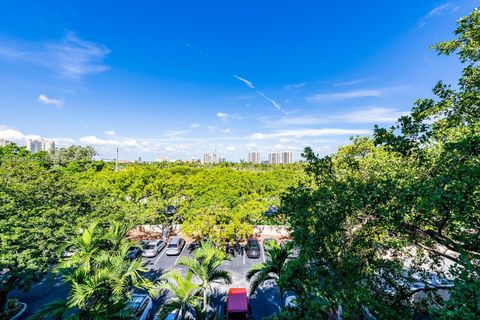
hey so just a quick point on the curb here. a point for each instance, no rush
(20, 312)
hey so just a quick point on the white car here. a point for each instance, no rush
(153, 248)
(175, 246)
(140, 306)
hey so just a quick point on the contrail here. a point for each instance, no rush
(275, 104)
(248, 83)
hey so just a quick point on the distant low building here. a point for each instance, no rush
(4, 142)
(222, 159)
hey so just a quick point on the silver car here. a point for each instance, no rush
(175, 246)
(153, 248)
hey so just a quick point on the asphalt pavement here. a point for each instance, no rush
(263, 303)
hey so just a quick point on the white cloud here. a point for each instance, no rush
(54, 102)
(437, 11)
(345, 95)
(110, 133)
(251, 145)
(300, 133)
(230, 148)
(71, 57)
(195, 125)
(351, 82)
(222, 115)
(93, 140)
(227, 130)
(247, 82)
(174, 134)
(295, 86)
(372, 115)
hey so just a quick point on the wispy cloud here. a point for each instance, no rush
(437, 11)
(195, 125)
(247, 82)
(345, 95)
(295, 86)
(300, 133)
(72, 57)
(371, 115)
(53, 102)
(110, 133)
(352, 82)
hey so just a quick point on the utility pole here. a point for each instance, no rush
(116, 162)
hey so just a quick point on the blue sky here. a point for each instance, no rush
(182, 78)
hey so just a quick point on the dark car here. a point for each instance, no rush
(133, 253)
(253, 249)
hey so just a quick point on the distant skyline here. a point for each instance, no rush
(182, 79)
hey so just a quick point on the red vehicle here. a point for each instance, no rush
(237, 304)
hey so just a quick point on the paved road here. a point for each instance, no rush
(264, 303)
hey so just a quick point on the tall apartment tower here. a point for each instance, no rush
(254, 157)
(36, 145)
(287, 157)
(209, 158)
(3, 142)
(274, 158)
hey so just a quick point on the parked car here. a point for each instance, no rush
(237, 307)
(267, 240)
(170, 316)
(134, 252)
(175, 246)
(253, 249)
(140, 306)
(153, 248)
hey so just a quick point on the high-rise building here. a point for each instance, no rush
(4, 142)
(209, 158)
(222, 159)
(254, 157)
(287, 157)
(274, 158)
(36, 145)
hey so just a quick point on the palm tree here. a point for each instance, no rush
(273, 267)
(186, 294)
(101, 280)
(205, 264)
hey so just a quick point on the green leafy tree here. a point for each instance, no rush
(100, 278)
(272, 269)
(205, 264)
(410, 194)
(186, 294)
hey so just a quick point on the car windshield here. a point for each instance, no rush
(150, 246)
(172, 245)
(253, 244)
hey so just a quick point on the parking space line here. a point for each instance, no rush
(263, 253)
(180, 253)
(161, 254)
(244, 254)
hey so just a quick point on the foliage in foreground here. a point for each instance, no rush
(100, 278)
(382, 212)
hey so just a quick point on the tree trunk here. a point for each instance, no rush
(281, 298)
(3, 301)
(205, 300)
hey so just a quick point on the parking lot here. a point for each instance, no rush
(264, 303)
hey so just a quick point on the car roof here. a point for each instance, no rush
(136, 301)
(237, 300)
(154, 241)
(175, 239)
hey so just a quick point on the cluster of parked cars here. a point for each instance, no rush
(149, 249)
